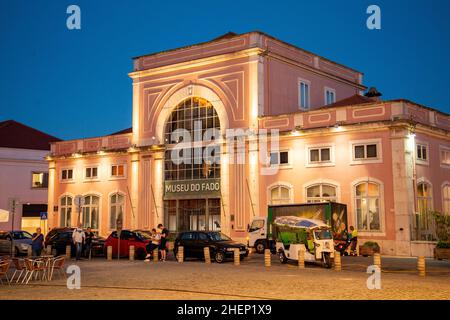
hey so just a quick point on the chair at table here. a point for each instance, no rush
(20, 269)
(58, 264)
(4, 267)
(33, 267)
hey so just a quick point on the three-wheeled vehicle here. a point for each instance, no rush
(313, 237)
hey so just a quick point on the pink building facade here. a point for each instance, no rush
(388, 161)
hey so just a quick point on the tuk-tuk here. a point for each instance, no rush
(314, 237)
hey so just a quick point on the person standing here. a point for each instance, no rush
(163, 243)
(78, 237)
(89, 237)
(353, 240)
(37, 243)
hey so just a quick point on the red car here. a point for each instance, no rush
(128, 238)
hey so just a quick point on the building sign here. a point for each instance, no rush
(192, 188)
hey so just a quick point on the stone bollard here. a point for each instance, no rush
(377, 260)
(180, 254)
(337, 261)
(109, 253)
(250, 253)
(49, 250)
(267, 261)
(155, 255)
(131, 254)
(29, 251)
(237, 257)
(301, 259)
(421, 266)
(207, 255)
(68, 252)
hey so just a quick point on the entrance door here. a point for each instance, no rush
(192, 215)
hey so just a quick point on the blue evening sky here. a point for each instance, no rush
(74, 84)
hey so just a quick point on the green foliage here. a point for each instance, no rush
(372, 245)
(442, 225)
(443, 245)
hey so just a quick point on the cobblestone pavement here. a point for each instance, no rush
(101, 279)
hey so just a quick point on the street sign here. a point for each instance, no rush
(4, 215)
(12, 204)
(44, 215)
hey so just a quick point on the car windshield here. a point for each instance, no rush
(20, 235)
(217, 236)
(323, 234)
(144, 235)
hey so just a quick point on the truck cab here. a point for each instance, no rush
(257, 234)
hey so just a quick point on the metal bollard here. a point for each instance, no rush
(29, 251)
(131, 254)
(155, 255)
(207, 255)
(109, 253)
(301, 259)
(421, 266)
(68, 252)
(180, 254)
(337, 261)
(377, 260)
(49, 249)
(237, 257)
(267, 261)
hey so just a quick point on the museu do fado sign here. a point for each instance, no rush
(175, 189)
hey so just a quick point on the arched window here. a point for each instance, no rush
(116, 210)
(280, 195)
(197, 118)
(90, 212)
(66, 211)
(446, 199)
(320, 193)
(367, 204)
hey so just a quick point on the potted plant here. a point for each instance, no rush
(442, 250)
(369, 248)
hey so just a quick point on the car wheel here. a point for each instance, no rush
(260, 247)
(282, 257)
(327, 260)
(219, 257)
(140, 254)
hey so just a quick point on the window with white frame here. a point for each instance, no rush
(67, 174)
(320, 193)
(90, 212)
(39, 180)
(303, 94)
(116, 210)
(118, 170)
(330, 96)
(423, 224)
(91, 173)
(280, 195)
(279, 158)
(446, 199)
(319, 155)
(367, 205)
(365, 151)
(422, 152)
(445, 156)
(65, 211)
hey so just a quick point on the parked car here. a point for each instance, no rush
(21, 241)
(128, 238)
(59, 238)
(220, 246)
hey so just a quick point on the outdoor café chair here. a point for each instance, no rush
(58, 264)
(4, 267)
(33, 267)
(20, 269)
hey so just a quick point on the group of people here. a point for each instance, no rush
(80, 238)
(158, 241)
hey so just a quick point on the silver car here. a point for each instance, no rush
(21, 241)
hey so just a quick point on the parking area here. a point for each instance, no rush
(194, 279)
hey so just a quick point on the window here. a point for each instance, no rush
(118, 170)
(279, 158)
(446, 199)
(422, 152)
(303, 94)
(330, 96)
(320, 193)
(116, 210)
(366, 151)
(91, 173)
(39, 180)
(317, 155)
(90, 212)
(280, 195)
(367, 204)
(67, 174)
(445, 157)
(423, 224)
(65, 211)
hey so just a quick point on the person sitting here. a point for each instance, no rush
(153, 244)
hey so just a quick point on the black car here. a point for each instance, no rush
(59, 238)
(220, 246)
